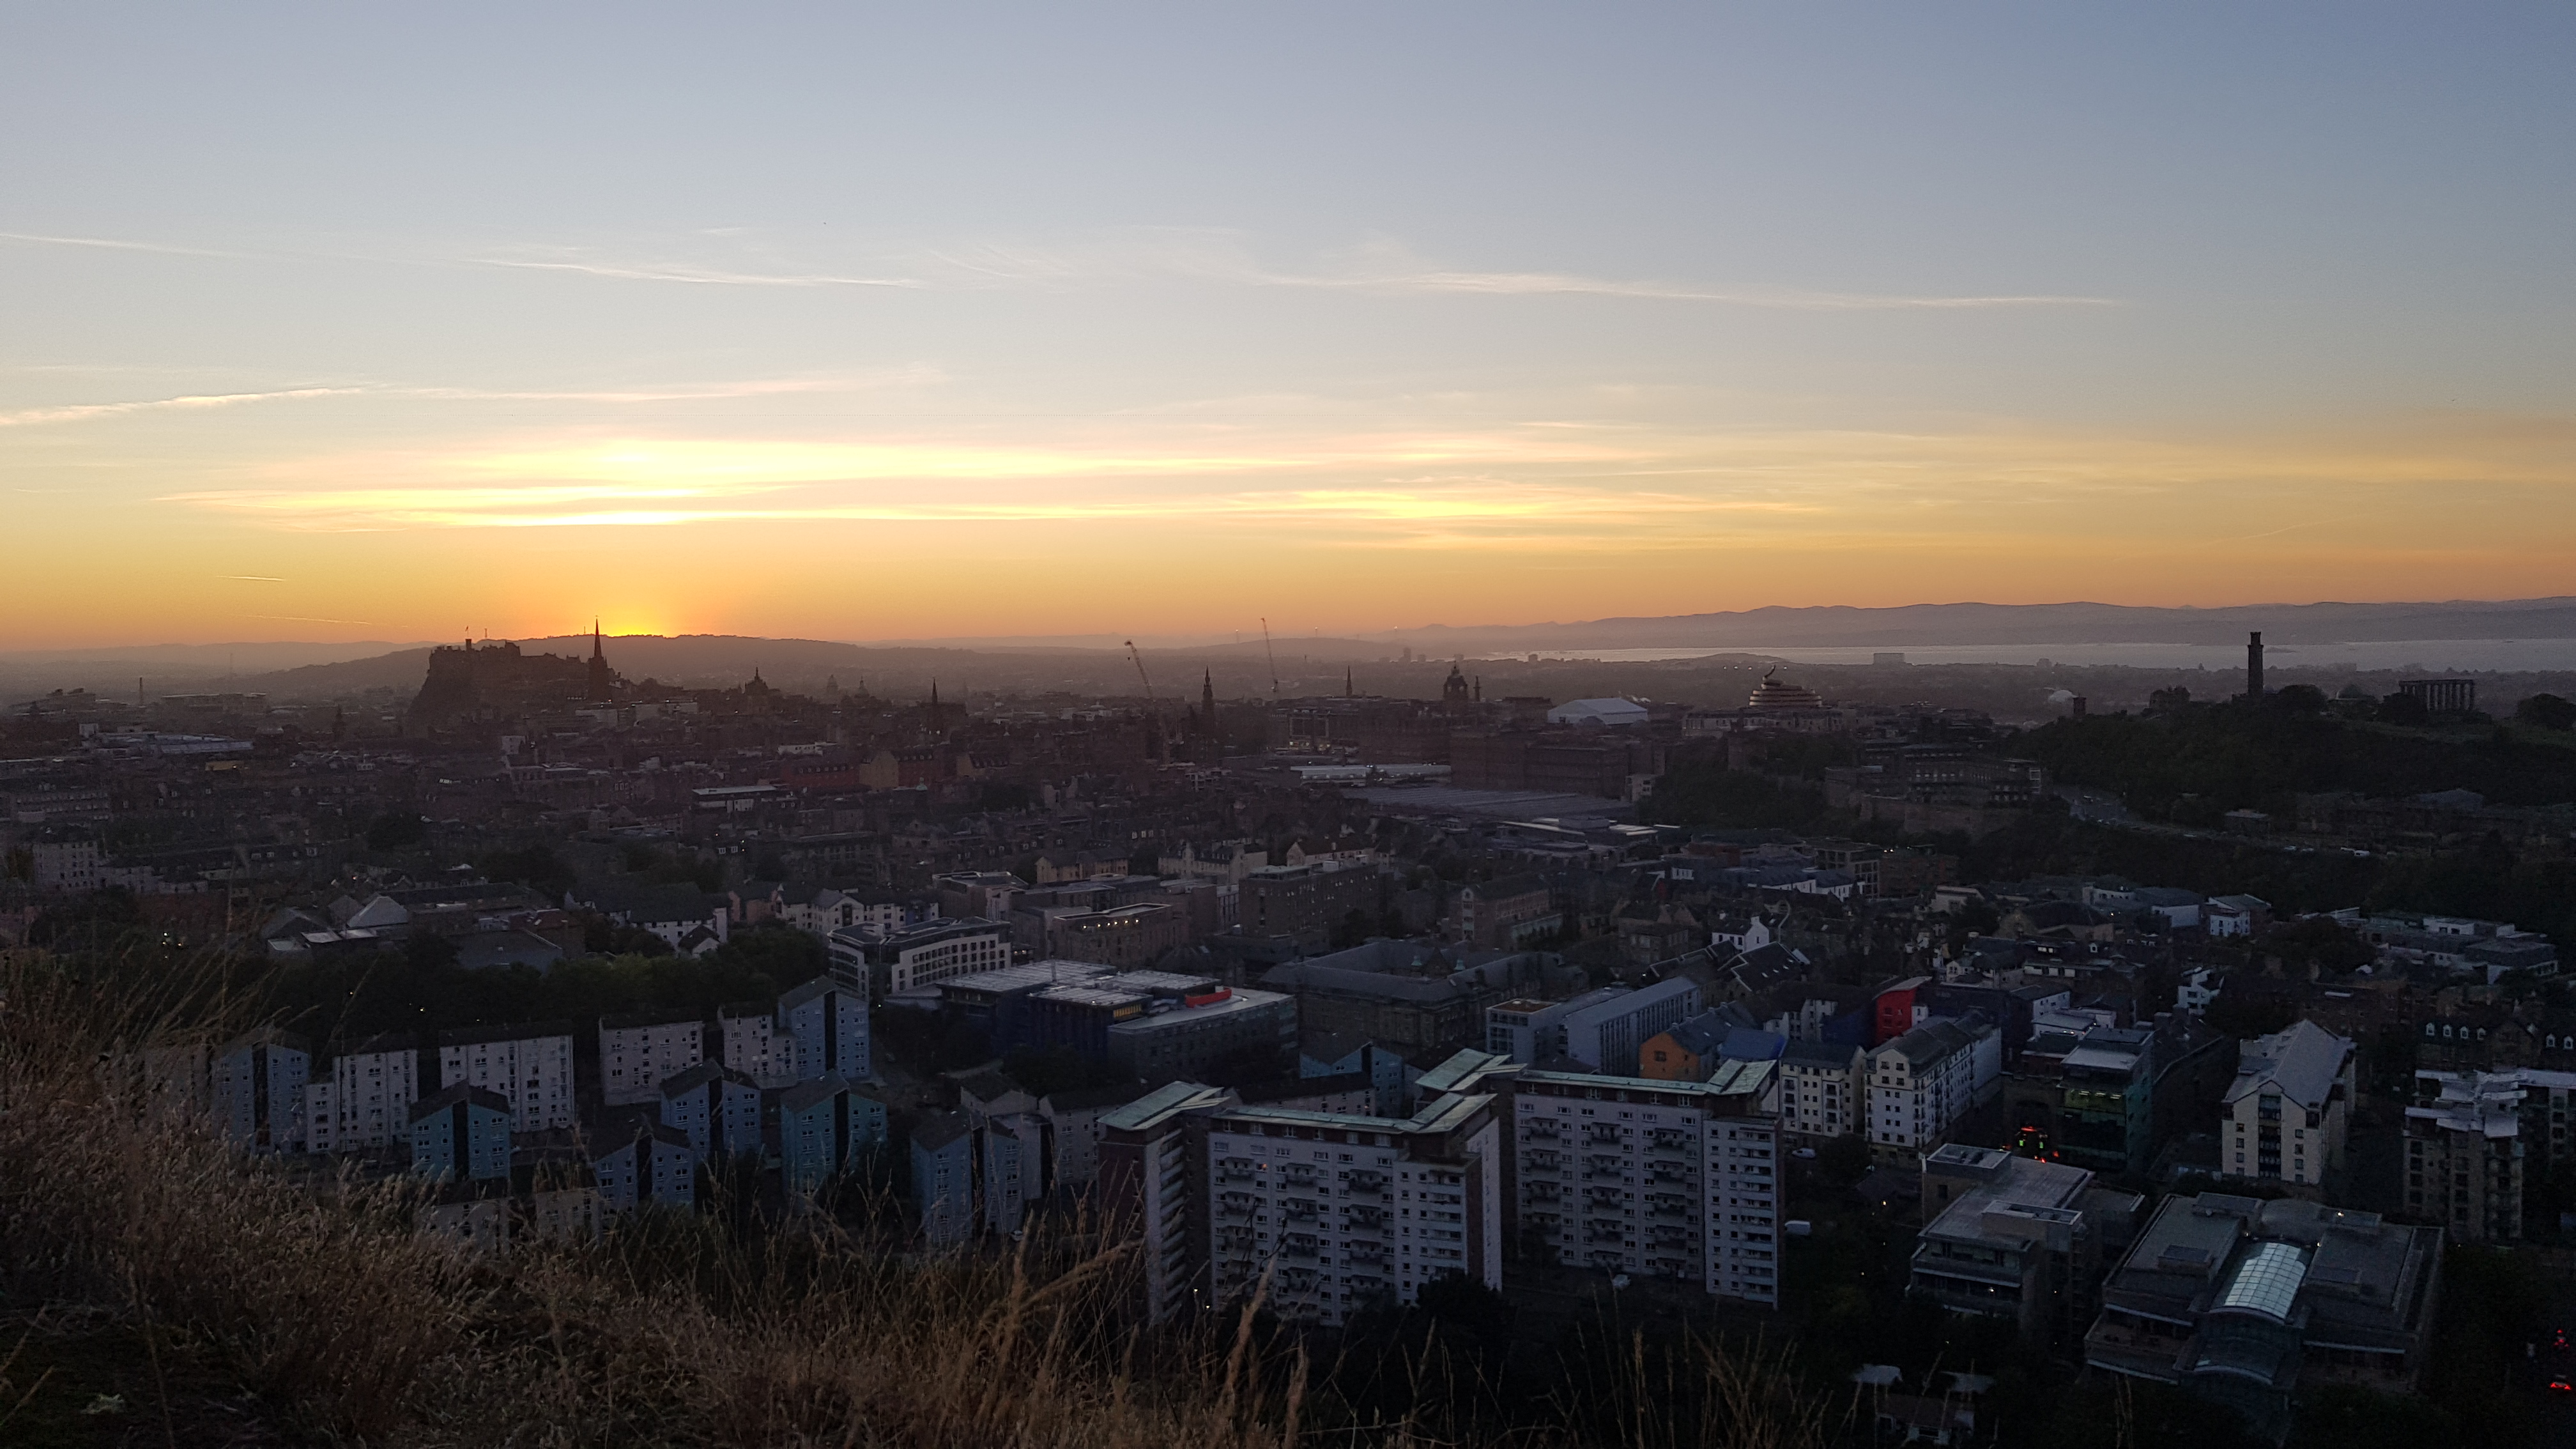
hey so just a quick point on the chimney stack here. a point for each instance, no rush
(2254, 665)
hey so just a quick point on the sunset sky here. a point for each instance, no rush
(863, 322)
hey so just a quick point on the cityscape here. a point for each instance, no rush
(1163, 729)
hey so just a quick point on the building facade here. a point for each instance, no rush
(1675, 1180)
(1338, 1213)
(531, 1066)
(828, 1021)
(716, 1108)
(2285, 1117)
(638, 1053)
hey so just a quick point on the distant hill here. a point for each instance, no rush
(1969, 624)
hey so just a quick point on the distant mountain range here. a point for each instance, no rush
(1973, 624)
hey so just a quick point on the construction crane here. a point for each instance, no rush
(1274, 658)
(1134, 654)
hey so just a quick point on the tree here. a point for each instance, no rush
(2548, 711)
(396, 829)
(2403, 709)
(2299, 699)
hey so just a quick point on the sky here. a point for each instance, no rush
(859, 322)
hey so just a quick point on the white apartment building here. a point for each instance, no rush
(893, 964)
(639, 1053)
(1824, 1088)
(65, 865)
(754, 1046)
(1153, 1157)
(532, 1066)
(2285, 1116)
(1340, 1212)
(362, 1097)
(1679, 1180)
(1922, 1083)
(830, 910)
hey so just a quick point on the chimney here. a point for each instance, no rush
(2254, 665)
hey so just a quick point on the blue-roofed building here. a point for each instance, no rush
(461, 1134)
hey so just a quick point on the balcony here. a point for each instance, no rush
(1542, 1192)
(1299, 1246)
(1296, 1176)
(1370, 1218)
(1545, 1161)
(1237, 1206)
(1236, 1169)
(1298, 1210)
(1542, 1131)
(1365, 1254)
(1666, 1139)
(1371, 1183)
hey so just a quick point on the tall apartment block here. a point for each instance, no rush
(754, 1045)
(460, 1134)
(829, 1023)
(259, 1090)
(638, 1053)
(2286, 1115)
(1335, 1213)
(1153, 1154)
(530, 1065)
(2464, 1157)
(362, 1096)
(1674, 1180)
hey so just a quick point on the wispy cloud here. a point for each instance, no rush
(1209, 255)
(697, 276)
(252, 578)
(912, 376)
(79, 411)
(115, 244)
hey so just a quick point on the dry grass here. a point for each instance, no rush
(354, 1329)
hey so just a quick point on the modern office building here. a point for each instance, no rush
(2252, 1303)
(876, 966)
(2011, 1237)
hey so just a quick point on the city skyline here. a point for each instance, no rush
(871, 327)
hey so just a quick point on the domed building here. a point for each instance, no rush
(1775, 694)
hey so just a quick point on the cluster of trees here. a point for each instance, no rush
(2193, 764)
(423, 989)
